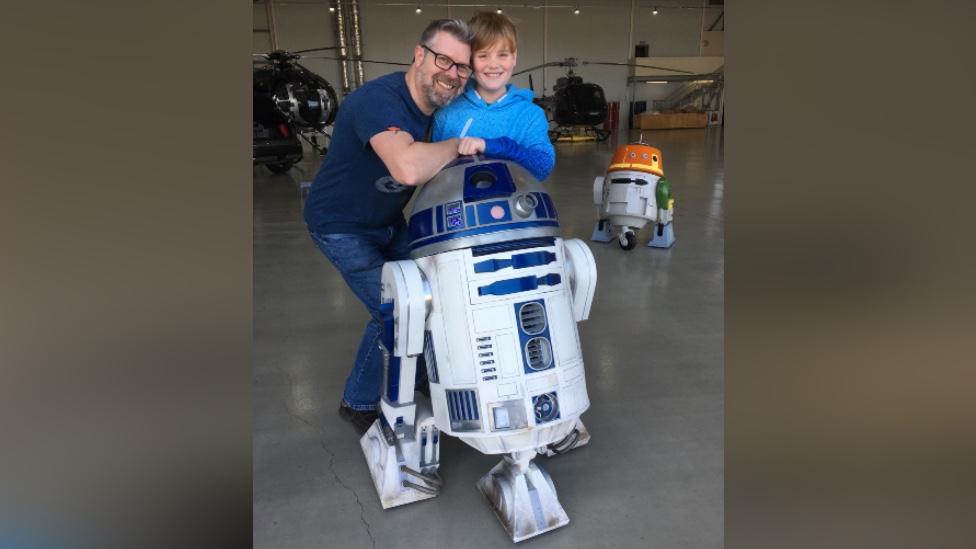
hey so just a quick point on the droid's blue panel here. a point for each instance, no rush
(516, 285)
(540, 208)
(549, 205)
(421, 224)
(481, 230)
(485, 216)
(533, 326)
(486, 181)
(517, 261)
(439, 216)
(545, 407)
(469, 213)
(512, 245)
(462, 406)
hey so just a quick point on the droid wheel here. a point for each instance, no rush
(631, 241)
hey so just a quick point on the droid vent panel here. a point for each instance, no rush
(462, 406)
(532, 317)
(430, 358)
(538, 353)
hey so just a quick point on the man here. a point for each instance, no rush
(377, 158)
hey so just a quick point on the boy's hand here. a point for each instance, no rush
(471, 145)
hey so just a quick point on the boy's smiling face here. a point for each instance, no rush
(493, 69)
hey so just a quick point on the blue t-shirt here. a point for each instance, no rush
(353, 190)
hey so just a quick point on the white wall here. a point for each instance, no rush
(599, 33)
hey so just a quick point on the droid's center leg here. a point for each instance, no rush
(523, 496)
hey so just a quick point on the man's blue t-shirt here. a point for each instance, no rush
(353, 190)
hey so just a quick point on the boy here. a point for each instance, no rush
(509, 124)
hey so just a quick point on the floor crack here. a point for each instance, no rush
(296, 416)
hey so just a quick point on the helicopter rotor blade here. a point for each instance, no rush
(544, 65)
(363, 60)
(317, 49)
(636, 65)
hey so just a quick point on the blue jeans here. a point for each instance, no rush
(360, 258)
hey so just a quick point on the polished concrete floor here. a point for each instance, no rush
(652, 475)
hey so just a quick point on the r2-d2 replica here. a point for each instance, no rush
(632, 193)
(490, 298)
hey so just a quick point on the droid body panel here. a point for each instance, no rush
(490, 299)
(633, 193)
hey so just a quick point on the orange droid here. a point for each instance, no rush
(632, 193)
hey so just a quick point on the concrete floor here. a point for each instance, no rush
(652, 475)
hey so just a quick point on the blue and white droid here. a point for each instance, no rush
(490, 298)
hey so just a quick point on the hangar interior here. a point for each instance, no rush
(652, 475)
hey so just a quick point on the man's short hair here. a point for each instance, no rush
(455, 27)
(490, 28)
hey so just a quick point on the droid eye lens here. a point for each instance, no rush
(654, 158)
(483, 180)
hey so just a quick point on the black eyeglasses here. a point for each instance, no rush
(444, 62)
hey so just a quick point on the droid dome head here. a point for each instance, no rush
(477, 202)
(639, 157)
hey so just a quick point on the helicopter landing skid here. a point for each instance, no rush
(577, 133)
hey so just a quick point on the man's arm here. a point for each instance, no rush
(412, 162)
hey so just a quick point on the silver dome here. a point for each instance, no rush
(479, 202)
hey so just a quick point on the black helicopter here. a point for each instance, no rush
(576, 104)
(290, 103)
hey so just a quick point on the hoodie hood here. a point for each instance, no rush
(513, 95)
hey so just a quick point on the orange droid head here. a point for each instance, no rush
(637, 156)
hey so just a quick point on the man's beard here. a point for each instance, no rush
(439, 95)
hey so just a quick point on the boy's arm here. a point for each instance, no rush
(537, 161)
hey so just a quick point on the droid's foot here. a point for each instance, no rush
(404, 470)
(579, 436)
(602, 231)
(523, 497)
(663, 236)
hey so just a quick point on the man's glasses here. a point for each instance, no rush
(444, 62)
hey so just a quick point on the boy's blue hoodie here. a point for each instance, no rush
(514, 128)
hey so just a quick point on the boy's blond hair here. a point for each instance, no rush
(489, 28)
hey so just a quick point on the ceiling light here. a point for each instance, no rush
(418, 10)
(576, 11)
(654, 11)
(655, 81)
(498, 11)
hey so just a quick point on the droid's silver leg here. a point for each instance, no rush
(602, 231)
(404, 464)
(578, 437)
(523, 497)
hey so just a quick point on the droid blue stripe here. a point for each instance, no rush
(469, 214)
(540, 208)
(393, 380)
(518, 261)
(421, 224)
(481, 230)
(516, 285)
(550, 206)
(440, 219)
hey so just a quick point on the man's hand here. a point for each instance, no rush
(471, 145)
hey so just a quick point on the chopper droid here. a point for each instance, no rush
(490, 297)
(633, 192)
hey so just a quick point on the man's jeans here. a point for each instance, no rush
(360, 258)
